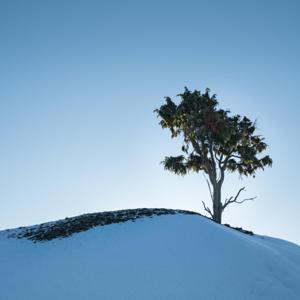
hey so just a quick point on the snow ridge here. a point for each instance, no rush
(68, 226)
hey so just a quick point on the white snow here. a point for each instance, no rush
(184, 257)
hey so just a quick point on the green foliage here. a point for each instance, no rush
(212, 138)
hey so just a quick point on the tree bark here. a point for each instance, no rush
(217, 203)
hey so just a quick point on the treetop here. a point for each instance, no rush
(212, 137)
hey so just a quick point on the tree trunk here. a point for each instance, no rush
(217, 204)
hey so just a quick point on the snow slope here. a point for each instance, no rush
(168, 257)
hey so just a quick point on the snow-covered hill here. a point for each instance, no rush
(169, 255)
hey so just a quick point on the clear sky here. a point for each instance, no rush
(78, 84)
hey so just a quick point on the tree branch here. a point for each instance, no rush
(223, 168)
(220, 160)
(209, 187)
(236, 156)
(207, 209)
(196, 146)
(235, 199)
(212, 159)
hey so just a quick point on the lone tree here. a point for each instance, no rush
(213, 142)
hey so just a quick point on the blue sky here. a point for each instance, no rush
(79, 82)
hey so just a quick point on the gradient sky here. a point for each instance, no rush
(80, 79)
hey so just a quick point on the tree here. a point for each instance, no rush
(213, 142)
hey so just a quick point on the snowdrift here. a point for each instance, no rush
(169, 256)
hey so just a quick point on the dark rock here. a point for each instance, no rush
(240, 229)
(69, 226)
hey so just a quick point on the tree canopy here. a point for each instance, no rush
(214, 141)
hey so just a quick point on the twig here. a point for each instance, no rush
(207, 209)
(234, 199)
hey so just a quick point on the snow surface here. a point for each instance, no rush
(168, 257)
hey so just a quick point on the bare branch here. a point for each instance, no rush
(236, 156)
(207, 209)
(235, 199)
(247, 199)
(209, 187)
